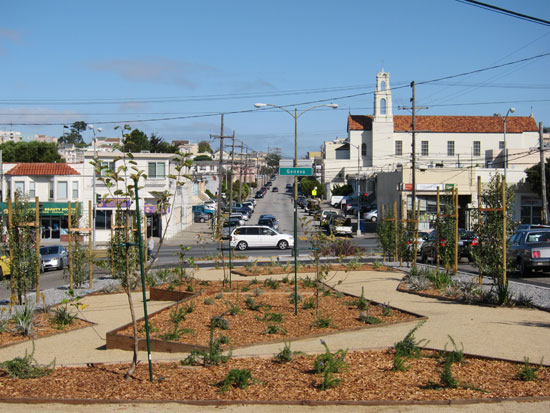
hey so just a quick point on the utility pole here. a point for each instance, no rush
(545, 218)
(230, 201)
(241, 173)
(413, 143)
(220, 173)
(246, 167)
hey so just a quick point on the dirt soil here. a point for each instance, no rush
(42, 328)
(252, 271)
(250, 326)
(369, 377)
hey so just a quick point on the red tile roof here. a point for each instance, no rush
(33, 169)
(451, 124)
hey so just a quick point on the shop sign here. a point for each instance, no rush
(114, 202)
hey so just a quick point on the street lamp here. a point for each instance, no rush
(295, 115)
(504, 119)
(357, 187)
(94, 201)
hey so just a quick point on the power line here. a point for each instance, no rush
(507, 12)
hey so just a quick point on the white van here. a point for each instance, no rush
(259, 236)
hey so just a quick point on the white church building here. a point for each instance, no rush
(381, 144)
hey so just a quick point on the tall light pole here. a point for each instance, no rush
(296, 115)
(94, 201)
(504, 119)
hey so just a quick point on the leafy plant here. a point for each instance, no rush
(24, 319)
(368, 319)
(309, 303)
(328, 364)
(409, 346)
(322, 322)
(233, 309)
(273, 284)
(62, 317)
(240, 378)
(275, 329)
(386, 309)
(251, 305)
(361, 303)
(208, 301)
(26, 367)
(285, 355)
(528, 372)
(456, 355)
(219, 322)
(273, 317)
(308, 283)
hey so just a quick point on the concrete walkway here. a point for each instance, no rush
(495, 332)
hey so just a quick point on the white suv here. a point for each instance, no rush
(259, 236)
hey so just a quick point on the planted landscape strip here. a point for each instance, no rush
(369, 380)
(255, 313)
(42, 328)
(257, 270)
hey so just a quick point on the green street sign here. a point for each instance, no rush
(296, 171)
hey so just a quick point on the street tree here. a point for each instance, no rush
(158, 145)
(534, 178)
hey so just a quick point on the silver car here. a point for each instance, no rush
(530, 249)
(54, 257)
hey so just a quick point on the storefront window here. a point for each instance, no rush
(103, 219)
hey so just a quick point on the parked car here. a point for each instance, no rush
(336, 199)
(54, 257)
(301, 201)
(269, 222)
(271, 217)
(312, 206)
(249, 205)
(247, 213)
(530, 250)
(228, 227)
(371, 215)
(339, 225)
(201, 217)
(289, 187)
(259, 194)
(275, 189)
(522, 227)
(324, 215)
(260, 237)
(237, 216)
(203, 208)
(5, 268)
(421, 237)
(467, 240)
(253, 200)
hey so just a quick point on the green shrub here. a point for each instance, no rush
(322, 322)
(62, 317)
(240, 378)
(409, 347)
(369, 319)
(26, 367)
(275, 329)
(285, 355)
(309, 303)
(528, 372)
(208, 301)
(219, 322)
(329, 363)
(24, 319)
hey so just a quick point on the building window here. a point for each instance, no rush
(501, 145)
(107, 166)
(62, 189)
(363, 149)
(450, 148)
(399, 148)
(382, 106)
(103, 219)
(477, 148)
(425, 148)
(20, 187)
(156, 170)
(75, 190)
(32, 190)
(50, 190)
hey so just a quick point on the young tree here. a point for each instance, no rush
(489, 252)
(21, 241)
(123, 245)
(534, 178)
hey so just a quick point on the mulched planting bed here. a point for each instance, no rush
(369, 377)
(255, 270)
(251, 326)
(42, 328)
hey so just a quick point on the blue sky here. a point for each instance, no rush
(146, 63)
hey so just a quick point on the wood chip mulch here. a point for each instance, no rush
(369, 376)
(252, 271)
(42, 328)
(250, 327)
